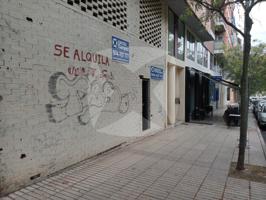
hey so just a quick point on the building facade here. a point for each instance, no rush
(79, 77)
(189, 62)
(225, 37)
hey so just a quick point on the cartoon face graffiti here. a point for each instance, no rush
(82, 98)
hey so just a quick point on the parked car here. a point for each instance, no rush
(251, 99)
(255, 103)
(258, 107)
(262, 116)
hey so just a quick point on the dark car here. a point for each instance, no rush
(255, 103)
(258, 107)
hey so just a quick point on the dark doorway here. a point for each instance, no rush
(197, 93)
(190, 94)
(145, 104)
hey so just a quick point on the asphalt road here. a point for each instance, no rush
(263, 132)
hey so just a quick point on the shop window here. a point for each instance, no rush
(171, 34)
(202, 54)
(190, 46)
(205, 57)
(180, 42)
(199, 53)
(176, 36)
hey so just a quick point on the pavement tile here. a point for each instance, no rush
(183, 163)
(17, 197)
(147, 197)
(39, 192)
(55, 198)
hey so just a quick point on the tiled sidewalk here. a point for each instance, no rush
(186, 162)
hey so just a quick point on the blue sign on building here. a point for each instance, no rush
(156, 73)
(120, 50)
(217, 78)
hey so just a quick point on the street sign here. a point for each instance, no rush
(217, 78)
(156, 73)
(120, 50)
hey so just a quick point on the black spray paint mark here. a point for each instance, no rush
(29, 19)
(22, 156)
(35, 176)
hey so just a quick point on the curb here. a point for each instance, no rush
(263, 145)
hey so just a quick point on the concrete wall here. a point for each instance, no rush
(59, 107)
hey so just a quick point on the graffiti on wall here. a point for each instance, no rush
(84, 92)
(82, 97)
(80, 55)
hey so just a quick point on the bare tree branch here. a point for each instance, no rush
(254, 4)
(219, 10)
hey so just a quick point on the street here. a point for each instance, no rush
(263, 133)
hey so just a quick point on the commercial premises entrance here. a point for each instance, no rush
(197, 96)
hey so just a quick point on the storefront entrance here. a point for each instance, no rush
(197, 96)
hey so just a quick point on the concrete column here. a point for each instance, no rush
(171, 95)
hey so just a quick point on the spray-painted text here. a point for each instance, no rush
(80, 55)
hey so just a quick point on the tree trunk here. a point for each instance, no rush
(244, 94)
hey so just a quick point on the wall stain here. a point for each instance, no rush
(10, 27)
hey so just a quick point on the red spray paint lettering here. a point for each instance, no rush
(80, 55)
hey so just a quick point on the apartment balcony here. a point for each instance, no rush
(219, 47)
(220, 26)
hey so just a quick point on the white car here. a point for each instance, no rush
(259, 106)
(262, 116)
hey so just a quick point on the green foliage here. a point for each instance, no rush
(219, 28)
(217, 3)
(232, 65)
(186, 14)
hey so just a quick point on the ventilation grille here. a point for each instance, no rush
(151, 21)
(113, 12)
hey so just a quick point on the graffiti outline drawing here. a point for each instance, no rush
(80, 97)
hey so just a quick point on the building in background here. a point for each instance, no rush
(225, 37)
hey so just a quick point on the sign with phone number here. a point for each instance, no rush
(156, 73)
(120, 50)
